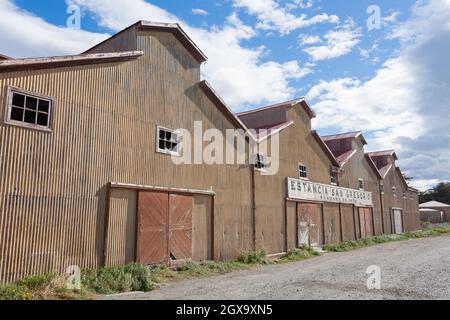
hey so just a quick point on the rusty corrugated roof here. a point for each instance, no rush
(347, 135)
(289, 103)
(383, 153)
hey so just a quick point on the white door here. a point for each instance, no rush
(398, 221)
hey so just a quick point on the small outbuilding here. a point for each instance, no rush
(438, 208)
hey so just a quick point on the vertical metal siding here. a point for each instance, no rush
(53, 185)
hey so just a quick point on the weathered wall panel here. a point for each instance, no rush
(348, 223)
(202, 228)
(291, 225)
(121, 239)
(331, 224)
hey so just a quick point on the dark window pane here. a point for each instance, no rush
(44, 105)
(162, 145)
(42, 119)
(18, 100)
(16, 114)
(161, 134)
(169, 146)
(31, 103)
(30, 117)
(168, 136)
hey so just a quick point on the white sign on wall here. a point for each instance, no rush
(311, 191)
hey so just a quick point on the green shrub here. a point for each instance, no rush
(109, 280)
(300, 254)
(253, 257)
(37, 282)
(14, 292)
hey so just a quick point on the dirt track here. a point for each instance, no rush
(415, 269)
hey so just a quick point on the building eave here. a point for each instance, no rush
(223, 107)
(374, 167)
(325, 148)
(67, 61)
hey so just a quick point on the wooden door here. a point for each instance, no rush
(398, 221)
(365, 222)
(309, 224)
(152, 237)
(180, 227)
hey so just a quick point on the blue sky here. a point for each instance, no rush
(389, 82)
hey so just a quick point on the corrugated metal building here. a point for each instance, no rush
(87, 179)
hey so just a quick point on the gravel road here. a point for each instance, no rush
(414, 269)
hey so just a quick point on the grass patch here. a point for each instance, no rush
(253, 257)
(351, 245)
(299, 254)
(192, 269)
(136, 277)
(41, 287)
(110, 280)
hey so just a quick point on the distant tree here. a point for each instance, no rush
(440, 192)
(408, 178)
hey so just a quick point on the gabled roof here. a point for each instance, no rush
(286, 104)
(338, 144)
(65, 61)
(379, 159)
(434, 204)
(383, 153)
(325, 148)
(374, 167)
(385, 170)
(399, 171)
(3, 57)
(222, 106)
(347, 135)
(173, 28)
(265, 132)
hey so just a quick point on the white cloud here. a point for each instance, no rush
(405, 105)
(25, 35)
(241, 74)
(309, 39)
(200, 12)
(338, 42)
(300, 4)
(271, 16)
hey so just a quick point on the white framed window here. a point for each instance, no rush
(168, 141)
(260, 161)
(334, 177)
(382, 188)
(302, 171)
(29, 110)
(361, 184)
(394, 191)
(404, 195)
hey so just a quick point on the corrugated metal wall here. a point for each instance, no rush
(53, 186)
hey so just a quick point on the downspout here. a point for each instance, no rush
(106, 225)
(253, 204)
(382, 206)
